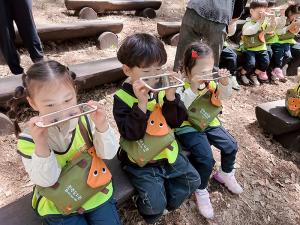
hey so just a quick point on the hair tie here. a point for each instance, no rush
(13, 120)
(68, 68)
(22, 86)
(15, 97)
(194, 54)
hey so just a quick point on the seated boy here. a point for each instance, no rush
(168, 179)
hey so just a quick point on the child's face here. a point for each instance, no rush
(203, 66)
(49, 100)
(256, 13)
(293, 17)
(136, 73)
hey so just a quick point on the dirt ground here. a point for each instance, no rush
(268, 173)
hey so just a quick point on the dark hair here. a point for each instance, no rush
(258, 4)
(39, 76)
(271, 3)
(294, 8)
(188, 62)
(142, 50)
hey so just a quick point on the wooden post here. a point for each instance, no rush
(87, 13)
(107, 40)
(172, 40)
(146, 13)
(6, 126)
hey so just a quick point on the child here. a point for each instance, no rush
(50, 87)
(199, 59)
(254, 43)
(275, 50)
(168, 179)
(287, 34)
(230, 56)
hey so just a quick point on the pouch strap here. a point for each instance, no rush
(85, 134)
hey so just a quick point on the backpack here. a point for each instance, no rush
(80, 179)
(204, 109)
(158, 137)
(292, 103)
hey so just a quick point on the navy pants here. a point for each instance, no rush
(165, 186)
(198, 143)
(281, 54)
(230, 57)
(295, 50)
(260, 58)
(20, 12)
(105, 215)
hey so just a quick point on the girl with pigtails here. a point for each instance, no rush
(50, 87)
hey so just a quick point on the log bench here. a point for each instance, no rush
(20, 212)
(64, 31)
(169, 32)
(89, 74)
(143, 8)
(275, 119)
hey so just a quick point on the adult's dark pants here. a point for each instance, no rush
(230, 58)
(195, 28)
(20, 12)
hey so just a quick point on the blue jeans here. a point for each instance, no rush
(259, 58)
(230, 57)
(165, 186)
(281, 54)
(198, 143)
(106, 215)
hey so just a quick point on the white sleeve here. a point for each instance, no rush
(224, 91)
(42, 171)
(188, 96)
(232, 29)
(280, 22)
(281, 31)
(250, 29)
(106, 144)
(271, 26)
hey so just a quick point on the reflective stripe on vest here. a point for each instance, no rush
(215, 122)
(45, 206)
(130, 100)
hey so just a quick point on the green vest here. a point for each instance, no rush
(42, 205)
(213, 123)
(272, 38)
(252, 42)
(127, 98)
(288, 37)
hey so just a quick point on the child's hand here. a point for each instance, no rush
(39, 136)
(282, 11)
(224, 80)
(195, 82)
(99, 117)
(170, 92)
(262, 17)
(141, 93)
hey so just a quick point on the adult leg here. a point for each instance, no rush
(7, 38)
(198, 144)
(66, 220)
(230, 56)
(295, 61)
(105, 215)
(22, 12)
(152, 196)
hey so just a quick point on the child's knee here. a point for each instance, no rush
(150, 206)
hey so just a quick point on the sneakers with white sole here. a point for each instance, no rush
(235, 84)
(255, 80)
(229, 181)
(203, 203)
(244, 79)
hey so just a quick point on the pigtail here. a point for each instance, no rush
(294, 8)
(12, 104)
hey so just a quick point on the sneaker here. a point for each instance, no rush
(244, 79)
(229, 181)
(263, 76)
(165, 212)
(235, 84)
(278, 73)
(254, 80)
(274, 77)
(203, 203)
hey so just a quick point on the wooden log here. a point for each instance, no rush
(6, 126)
(87, 13)
(290, 141)
(165, 29)
(63, 31)
(275, 119)
(105, 6)
(89, 75)
(107, 40)
(146, 13)
(172, 40)
(292, 69)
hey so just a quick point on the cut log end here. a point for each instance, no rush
(172, 40)
(107, 40)
(146, 13)
(87, 13)
(6, 126)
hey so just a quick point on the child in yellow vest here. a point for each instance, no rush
(169, 178)
(198, 59)
(254, 43)
(50, 87)
(287, 34)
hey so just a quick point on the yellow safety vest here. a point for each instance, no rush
(171, 156)
(215, 122)
(263, 47)
(273, 40)
(44, 206)
(287, 41)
